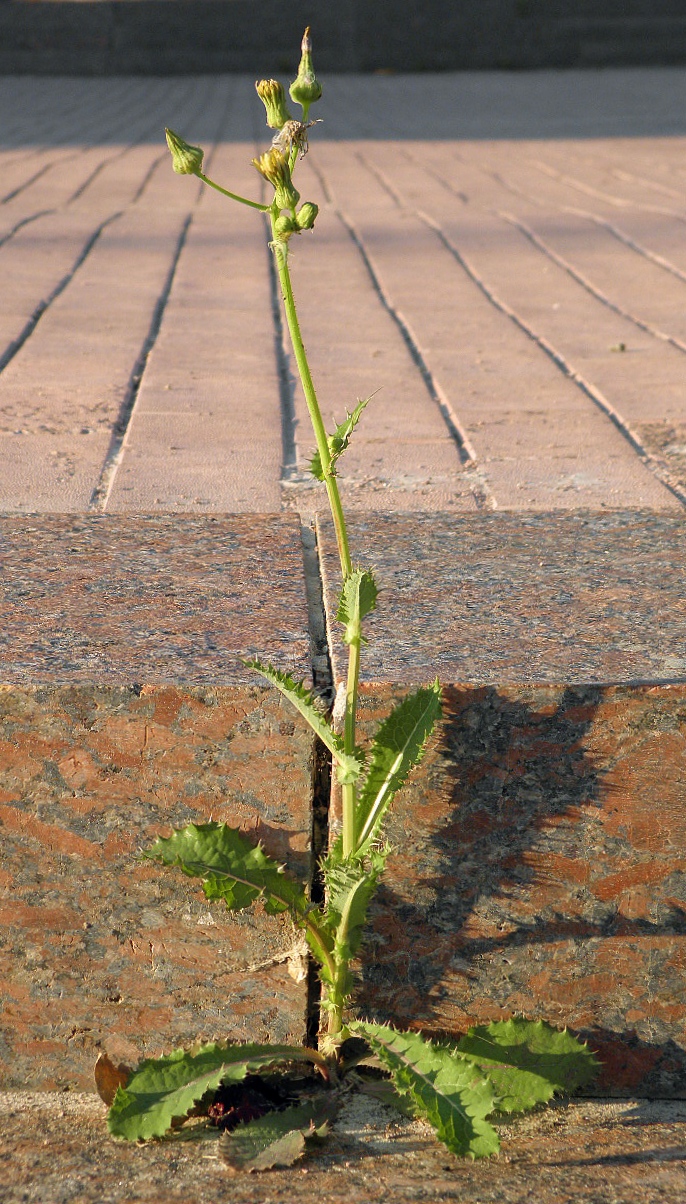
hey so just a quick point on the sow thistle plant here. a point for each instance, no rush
(272, 1099)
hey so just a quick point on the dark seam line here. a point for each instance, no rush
(25, 221)
(560, 362)
(101, 492)
(322, 760)
(412, 346)
(17, 344)
(459, 437)
(27, 183)
(586, 284)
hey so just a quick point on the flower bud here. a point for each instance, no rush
(306, 215)
(305, 88)
(284, 226)
(186, 159)
(273, 165)
(273, 97)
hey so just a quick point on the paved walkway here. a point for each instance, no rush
(500, 258)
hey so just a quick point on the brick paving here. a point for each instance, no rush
(515, 301)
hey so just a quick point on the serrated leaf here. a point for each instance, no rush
(277, 1139)
(349, 888)
(397, 746)
(303, 701)
(231, 868)
(357, 600)
(339, 440)
(528, 1061)
(162, 1090)
(445, 1089)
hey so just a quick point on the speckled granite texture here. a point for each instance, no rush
(125, 709)
(540, 862)
(555, 597)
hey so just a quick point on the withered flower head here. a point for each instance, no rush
(305, 88)
(294, 133)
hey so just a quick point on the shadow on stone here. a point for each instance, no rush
(522, 882)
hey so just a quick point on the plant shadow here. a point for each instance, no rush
(497, 901)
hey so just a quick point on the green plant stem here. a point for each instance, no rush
(330, 481)
(232, 195)
(349, 792)
(349, 789)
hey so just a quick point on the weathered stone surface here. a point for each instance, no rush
(540, 849)
(104, 744)
(55, 1147)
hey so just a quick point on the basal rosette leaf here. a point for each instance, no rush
(303, 701)
(444, 1088)
(231, 867)
(162, 1090)
(277, 1139)
(528, 1061)
(397, 746)
(340, 439)
(357, 600)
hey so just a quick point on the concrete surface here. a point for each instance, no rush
(56, 1148)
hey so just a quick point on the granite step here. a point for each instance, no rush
(125, 710)
(538, 859)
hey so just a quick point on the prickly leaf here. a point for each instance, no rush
(339, 440)
(349, 888)
(397, 746)
(528, 1061)
(162, 1090)
(277, 1139)
(357, 600)
(445, 1089)
(303, 701)
(231, 868)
